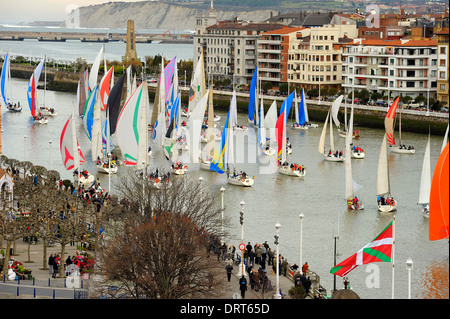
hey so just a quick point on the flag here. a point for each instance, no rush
(378, 250)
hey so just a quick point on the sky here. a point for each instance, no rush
(15, 11)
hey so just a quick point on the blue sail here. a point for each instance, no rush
(218, 163)
(252, 97)
(301, 111)
(88, 117)
(287, 103)
(3, 80)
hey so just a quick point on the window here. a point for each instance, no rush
(442, 87)
(442, 75)
(443, 50)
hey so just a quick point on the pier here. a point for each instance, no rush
(166, 37)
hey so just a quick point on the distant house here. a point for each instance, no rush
(303, 19)
(6, 184)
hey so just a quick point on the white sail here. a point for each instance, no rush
(383, 170)
(425, 179)
(296, 107)
(270, 120)
(195, 127)
(335, 109)
(321, 148)
(198, 87)
(331, 136)
(94, 70)
(306, 108)
(348, 163)
(444, 143)
(142, 127)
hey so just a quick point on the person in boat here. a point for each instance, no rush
(340, 154)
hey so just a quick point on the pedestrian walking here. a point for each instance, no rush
(50, 264)
(243, 286)
(229, 269)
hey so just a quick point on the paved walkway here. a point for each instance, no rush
(230, 289)
(41, 275)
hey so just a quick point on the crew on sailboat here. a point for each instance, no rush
(293, 166)
(385, 201)
(404, 147)
(306, 124)
(357, 149)
(39, 117)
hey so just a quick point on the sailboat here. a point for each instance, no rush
(332, 155)
(210, 138)
(71, 153)
(5, 87)
(270, 121)
(131, 128)
(353, 203)
(224, 158)
(283, 166)
(32, 94)
(389, 125)
(197, 88)
(438, 214)
(385, 201)
(300, 115)
(334, 112)
(425, 181)
(44, 110)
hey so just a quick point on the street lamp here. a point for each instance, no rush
(277, 293)
(25, 147)
(241, 221)
(109, 173)
(50, 144)
(222, 191)
(301, 240)
(409, 267)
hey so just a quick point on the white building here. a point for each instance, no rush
(391, 67)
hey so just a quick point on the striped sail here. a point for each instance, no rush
(4, 82)
(32, 86)
(389, 122)
(71, 155)
(128, 124)
(88, 114)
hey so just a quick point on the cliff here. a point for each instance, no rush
(161, 15)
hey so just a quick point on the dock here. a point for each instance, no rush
(93, 37)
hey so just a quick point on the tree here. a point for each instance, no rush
(313, 93)
(160, 246)
(406, 99)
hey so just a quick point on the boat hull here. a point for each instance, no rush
(291, 172)
(300, 127)
(398, 150)
(358, 154)
(332, 158)
(179, 171)
(205, 166)
(387, 208)
(107, 170)
(240, 181)
(83, 180)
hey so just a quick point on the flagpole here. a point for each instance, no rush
(393, 254)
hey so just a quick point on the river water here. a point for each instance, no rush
(273, 198)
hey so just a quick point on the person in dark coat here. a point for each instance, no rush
(243, 286)
(229, 269)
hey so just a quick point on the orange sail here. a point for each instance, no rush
(389, 122)
(438, 223)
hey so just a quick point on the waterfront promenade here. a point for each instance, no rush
(55, 288)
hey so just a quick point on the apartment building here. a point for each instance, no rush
(391, 67)
(229, 47)
(273, 53)
(443, 65)
(315, 57)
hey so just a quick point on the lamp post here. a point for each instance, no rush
(222, 191)
(409, 267)
(25, 147)
(109, 173)
(50, 145)
(277, 292)
(241, 221)
(301, 240)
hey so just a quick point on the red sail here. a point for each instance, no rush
(438, 223)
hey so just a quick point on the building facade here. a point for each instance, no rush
(315, 57)
(391, 67)
(443, 66)
(273, 54)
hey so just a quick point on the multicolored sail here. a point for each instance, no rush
(218, 163)
(104, 88)
(32, 87)
(88, 117)
(71, 155)
(439, 199)
(128, 127)
(389, 122)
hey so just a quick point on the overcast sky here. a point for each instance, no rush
(13, 11)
